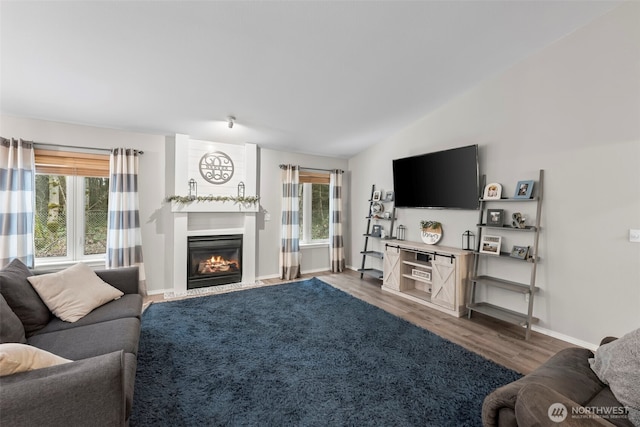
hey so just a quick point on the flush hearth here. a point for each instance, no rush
(214, 260)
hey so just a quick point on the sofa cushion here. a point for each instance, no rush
(130, 305)
(618, 365)
(22, 298)
(124, 278)
(11, 328)
(89, 392)
(91, 340)
(15, 357)
(73, 292)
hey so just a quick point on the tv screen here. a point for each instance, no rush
(446, 179)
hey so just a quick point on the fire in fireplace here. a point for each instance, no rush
(214, 260)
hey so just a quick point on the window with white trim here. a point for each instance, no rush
(71, 206)
(314, 207)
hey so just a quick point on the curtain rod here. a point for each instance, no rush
(283, 166)
(87, 149)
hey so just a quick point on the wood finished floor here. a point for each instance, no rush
(498, 341)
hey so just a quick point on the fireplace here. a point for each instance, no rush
(214, 260)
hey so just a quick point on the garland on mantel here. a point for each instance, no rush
(236, 199)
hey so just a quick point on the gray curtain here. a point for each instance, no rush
(17, 200)
(124, 238)
(336, 240)
(290, 233)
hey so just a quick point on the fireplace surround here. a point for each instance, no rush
(214, 260)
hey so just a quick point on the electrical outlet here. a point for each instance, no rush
(634, 236)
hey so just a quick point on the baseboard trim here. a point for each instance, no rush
(564, 337)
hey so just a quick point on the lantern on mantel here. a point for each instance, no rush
(193, 189)
(241, 189)
(468, 241)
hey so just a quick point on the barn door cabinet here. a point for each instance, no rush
(434, 276)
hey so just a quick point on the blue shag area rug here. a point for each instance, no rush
(302, 354)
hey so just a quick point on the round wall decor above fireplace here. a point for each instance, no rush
(216, 167)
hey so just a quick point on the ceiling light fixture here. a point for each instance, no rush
(231, 120)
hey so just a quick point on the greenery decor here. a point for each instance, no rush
(236, 199)
(426, 225)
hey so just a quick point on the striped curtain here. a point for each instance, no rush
(124, 239)
(290, 234)
(17, 200)
(336, 241)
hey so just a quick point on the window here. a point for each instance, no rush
(314, 207)
(72, 195)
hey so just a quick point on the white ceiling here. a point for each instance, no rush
(320, 77)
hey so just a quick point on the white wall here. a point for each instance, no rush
(156, 182)
(151, 181)
(572, 109)
(313, 259)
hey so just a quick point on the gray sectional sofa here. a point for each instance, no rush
(96, 388)
(566, 378)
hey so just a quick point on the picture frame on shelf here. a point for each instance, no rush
(490, 245)
(524, 189)
(389, 196)
(492, 191)
(519, 252)
(377, 195)
(376, 231)
(495, 217)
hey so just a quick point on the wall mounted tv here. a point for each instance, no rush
(446, 179)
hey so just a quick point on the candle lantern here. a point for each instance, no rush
(241, 189)
(400, 232)
(193, 189)
(468, 241)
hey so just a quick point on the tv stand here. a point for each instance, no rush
(434, 276)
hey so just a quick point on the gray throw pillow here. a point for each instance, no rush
(22, 298)
(618, 365)
(11, 329)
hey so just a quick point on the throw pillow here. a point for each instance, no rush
(11, 328)
(16, 358)
(22, 298)
(74, 292)
(618, 365)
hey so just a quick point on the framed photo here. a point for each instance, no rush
(376, 231)
(520, 252)
(490, 245)
(377, 195)
(492, 191)
(388, 196)
(495, 217)
(524, 190)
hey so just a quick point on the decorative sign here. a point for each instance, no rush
(431, 232)
(216, 167)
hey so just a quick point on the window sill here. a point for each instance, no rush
(61, 265)
(314, 245)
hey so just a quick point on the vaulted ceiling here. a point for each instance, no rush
(320, 77)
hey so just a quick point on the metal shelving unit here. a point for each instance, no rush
(529, 289)
(366, 251)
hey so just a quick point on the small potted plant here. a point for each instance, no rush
(431, 232)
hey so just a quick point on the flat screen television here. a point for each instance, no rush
(446, 179)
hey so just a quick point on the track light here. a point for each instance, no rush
(231, 120)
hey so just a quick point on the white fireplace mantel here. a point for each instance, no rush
(211, 218)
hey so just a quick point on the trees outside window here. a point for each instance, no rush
(314, 212)
(71, 217)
